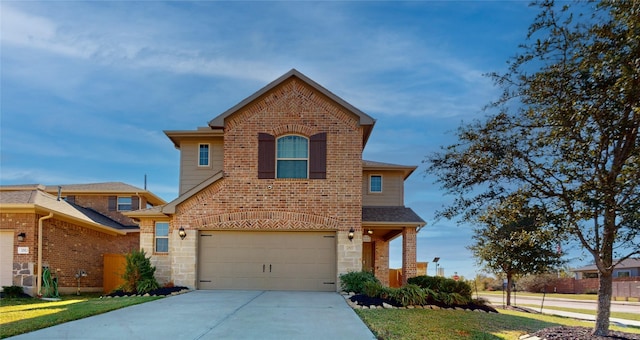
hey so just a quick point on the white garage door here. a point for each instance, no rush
(267, 260)
(6, 258)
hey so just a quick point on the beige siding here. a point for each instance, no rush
(392, 189)
(190, 173)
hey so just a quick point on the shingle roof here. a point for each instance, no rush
(90, 188)
(628, 263)
(391, 214)
(37, 198)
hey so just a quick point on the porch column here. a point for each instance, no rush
(408, 253)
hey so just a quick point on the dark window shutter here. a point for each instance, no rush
(135, 202)
(318, 156)
(113, 203)
(266, 155)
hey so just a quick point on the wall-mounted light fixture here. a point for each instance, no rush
(351, 234)
(22, 236)
(370, 232)
(182, 233)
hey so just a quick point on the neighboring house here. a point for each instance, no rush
(75, 224)
(274, 195)
(626, 268)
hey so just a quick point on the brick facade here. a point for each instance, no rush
(100, 203)
(242, 201)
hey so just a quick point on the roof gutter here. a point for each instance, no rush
(39, 278)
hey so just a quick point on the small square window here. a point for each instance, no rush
(203, 156)
(124, 203)
(162, 237)
(375, 183)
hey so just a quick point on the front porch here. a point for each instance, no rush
(381, 225)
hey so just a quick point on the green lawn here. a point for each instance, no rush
(18, 316)
(450, 324)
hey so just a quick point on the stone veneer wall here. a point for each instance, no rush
(242, 201)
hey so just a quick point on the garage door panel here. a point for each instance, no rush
(267, 260)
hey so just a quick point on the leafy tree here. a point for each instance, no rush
(564, 133)
(515, 240)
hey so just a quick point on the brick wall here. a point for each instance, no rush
(242, 201)
(408, 254)
(100, 203)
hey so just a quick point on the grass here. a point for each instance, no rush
(23, 315)
(391, 324)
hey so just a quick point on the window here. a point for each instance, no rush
(375, 183)
(124, 203)
(292, 157)
(162, 237)
(203, 155)
(624, 273)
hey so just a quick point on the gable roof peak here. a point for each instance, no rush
(365, 119)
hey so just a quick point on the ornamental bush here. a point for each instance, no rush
(139, 273)
(355, 281)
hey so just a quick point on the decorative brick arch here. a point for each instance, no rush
(293, 129)
(266, 220)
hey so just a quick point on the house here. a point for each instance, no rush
(67, 229)
(274, 195)
(627, 268)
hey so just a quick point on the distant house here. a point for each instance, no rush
(274, 195)
(75, 225)
(626, 268)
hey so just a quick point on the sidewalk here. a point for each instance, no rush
(587, 317)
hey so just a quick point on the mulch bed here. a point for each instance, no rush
(156, 292)
(365, 300)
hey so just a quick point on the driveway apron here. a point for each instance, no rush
(221, 314)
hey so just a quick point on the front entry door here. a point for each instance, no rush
(367, 256)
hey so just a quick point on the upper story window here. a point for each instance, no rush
(292, 156)
(375, 183)
(161, 236)
(203, 155)
(124, 203)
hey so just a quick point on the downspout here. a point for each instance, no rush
(39, 278)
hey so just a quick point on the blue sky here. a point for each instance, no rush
(88, 87)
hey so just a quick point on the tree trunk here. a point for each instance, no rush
(604, 304)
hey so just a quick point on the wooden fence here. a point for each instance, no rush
(114, 265)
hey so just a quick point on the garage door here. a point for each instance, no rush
(267, 260)
(6, 258)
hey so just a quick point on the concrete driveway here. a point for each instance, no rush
(221, 314)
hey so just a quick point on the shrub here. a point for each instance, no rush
(411, 294)
(139, 273)
(372, 289)
(354, 281)
(13, 291)
(442, 285)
